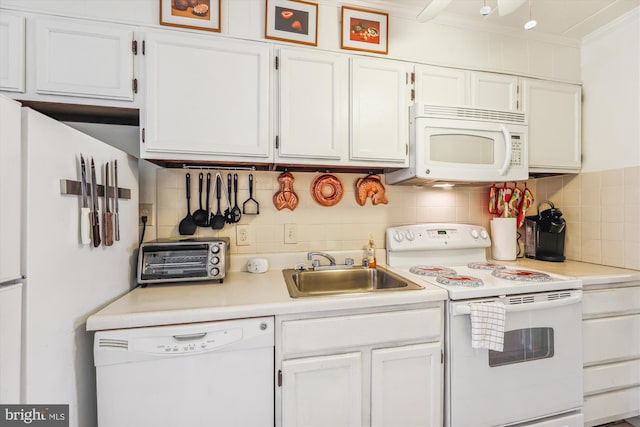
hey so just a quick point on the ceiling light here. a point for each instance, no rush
(531, 23)
(485, 10)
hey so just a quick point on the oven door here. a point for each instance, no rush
(449, 149)
(538, 374)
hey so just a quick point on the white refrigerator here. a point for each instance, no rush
(65, 281)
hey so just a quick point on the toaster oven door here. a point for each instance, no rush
(173, 263)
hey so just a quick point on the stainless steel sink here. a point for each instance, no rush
(344, 281)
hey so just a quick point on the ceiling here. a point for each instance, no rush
(567, 18)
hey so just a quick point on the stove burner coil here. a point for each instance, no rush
(459, 280)
(431, 271)
(485, 266)
(521, 275)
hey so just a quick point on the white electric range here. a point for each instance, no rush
(536, 379)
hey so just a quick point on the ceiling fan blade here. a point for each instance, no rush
(432, 8)
(506, 7)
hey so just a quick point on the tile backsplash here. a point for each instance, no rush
(601, 210)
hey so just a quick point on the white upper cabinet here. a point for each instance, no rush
(206, 98)
(379, 111)
(452, 87)
(554, 114)
(83, 59)
(12, 52)
(441, 86)
(491, 91)
(313, 115)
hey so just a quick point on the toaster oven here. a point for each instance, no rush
(167, 261)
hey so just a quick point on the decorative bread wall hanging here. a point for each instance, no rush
(327, 190)
(286, 197)
(370, 187)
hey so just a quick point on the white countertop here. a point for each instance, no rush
(242, 294)
(591, 274)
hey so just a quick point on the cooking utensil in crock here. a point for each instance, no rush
(218, 220)
(187, 226)
(251, 205)
(200, 216)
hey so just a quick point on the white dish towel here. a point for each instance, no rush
(487, 325)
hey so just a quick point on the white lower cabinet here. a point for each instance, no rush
(611, 353)
(356, 369)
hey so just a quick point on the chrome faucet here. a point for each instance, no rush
(332, 260)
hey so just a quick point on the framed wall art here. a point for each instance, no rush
(365, 30)
(196, 14)
(293, 21)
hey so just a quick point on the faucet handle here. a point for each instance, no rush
(315, 263)
(348, 261)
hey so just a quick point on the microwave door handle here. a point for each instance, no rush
(508, 148)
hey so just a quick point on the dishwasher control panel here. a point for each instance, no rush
(188, 343)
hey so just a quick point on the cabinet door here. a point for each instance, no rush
(379, 111)
(406, 386)
(610, 339)
(84, 59)
(10, 189)
(322, 391)
(206, 98)
(493, 91)
(12, 48)
(554, 113)
(313, 115)
(441, 86)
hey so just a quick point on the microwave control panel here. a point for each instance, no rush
(516, 150)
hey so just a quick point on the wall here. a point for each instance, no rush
(446, 41)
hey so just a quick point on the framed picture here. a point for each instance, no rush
(365, 30)
(196, 14)
(292, 21)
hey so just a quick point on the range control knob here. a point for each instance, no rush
(474, 233)
(214, 271)
(215, 249)
(398, 236)
(409, 235)
(484, 234)
(215, 260)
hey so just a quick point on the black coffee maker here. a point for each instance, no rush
(544, 234)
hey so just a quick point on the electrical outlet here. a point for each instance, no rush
(243, 235)
(290, 234)
(145, 209)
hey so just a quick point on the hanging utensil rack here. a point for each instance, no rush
(69, 186)
(219, 168)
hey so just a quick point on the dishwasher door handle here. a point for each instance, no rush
(190, 337)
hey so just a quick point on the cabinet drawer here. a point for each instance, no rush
(611, 376)
(610, 339)
(608, 301)
(332, 333)
(601, 408)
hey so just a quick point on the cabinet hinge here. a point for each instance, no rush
(413, 77)
(142, 135)
(277, 63)
(134, 47)
(279, 377)
(406, 149)
(144, 46)
(441, 356)
(413, 94)
(135, 85)
(277, 142)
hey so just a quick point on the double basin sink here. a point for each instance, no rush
(348, 280)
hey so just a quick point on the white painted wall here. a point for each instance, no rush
(444, 41)
(611, 90)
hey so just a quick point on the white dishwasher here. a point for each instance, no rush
(190, 375)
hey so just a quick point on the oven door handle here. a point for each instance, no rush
(463, 309)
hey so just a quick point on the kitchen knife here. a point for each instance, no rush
(116, 208)
(95, 217)
(107, 216)
(85, 212)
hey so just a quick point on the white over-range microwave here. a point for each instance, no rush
(464, 145)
